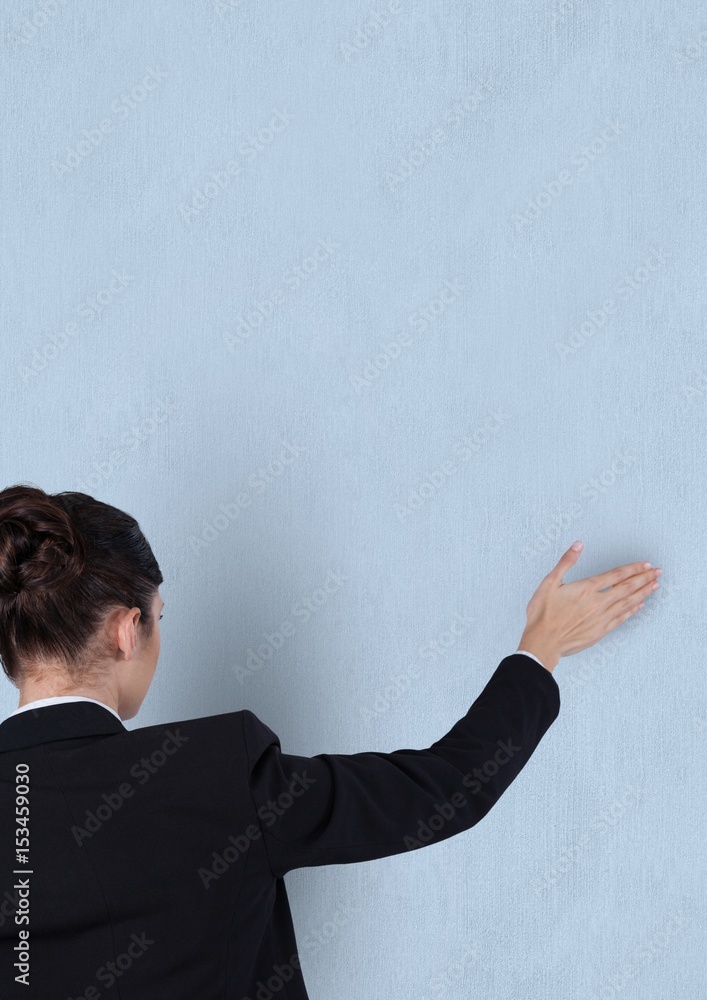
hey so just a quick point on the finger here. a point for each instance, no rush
(617, 575)
(565, 564)
(623, 617)
(641, 584)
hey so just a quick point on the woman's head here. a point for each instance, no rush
(79, 599)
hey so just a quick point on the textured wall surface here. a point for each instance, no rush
(366, 313)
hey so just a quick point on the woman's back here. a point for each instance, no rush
(123, 826)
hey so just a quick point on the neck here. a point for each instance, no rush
(33, 692)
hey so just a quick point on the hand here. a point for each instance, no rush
(565, 618)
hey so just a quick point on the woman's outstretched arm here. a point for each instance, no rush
(344, 808)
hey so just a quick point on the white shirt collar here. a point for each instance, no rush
(61, 700)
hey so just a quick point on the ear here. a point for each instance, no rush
(135, 621)
(127, 632)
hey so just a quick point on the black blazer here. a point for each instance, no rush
(155, 857)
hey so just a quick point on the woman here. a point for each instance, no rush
(151, 861)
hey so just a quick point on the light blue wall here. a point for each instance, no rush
(221, 340)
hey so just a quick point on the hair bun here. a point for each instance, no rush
(40, 547)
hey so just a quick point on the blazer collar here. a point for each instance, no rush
(57, 722)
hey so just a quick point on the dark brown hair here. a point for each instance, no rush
(66, 561)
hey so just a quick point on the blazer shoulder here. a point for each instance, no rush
(257, 734)
(222, 722)
(241, 731)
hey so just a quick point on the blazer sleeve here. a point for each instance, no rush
(344, 808)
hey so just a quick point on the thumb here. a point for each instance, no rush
(566, 562)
